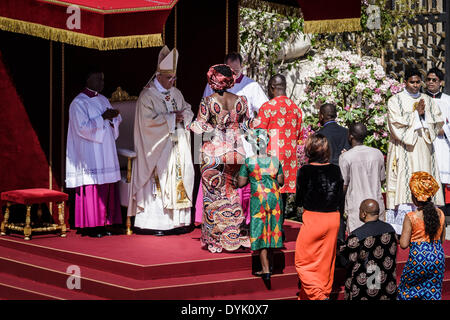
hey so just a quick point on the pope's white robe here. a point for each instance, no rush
(163, 172)
(91, 156)
(248, 88)
(410, 150)
(442, 143)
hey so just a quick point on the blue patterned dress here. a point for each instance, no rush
(424, 272)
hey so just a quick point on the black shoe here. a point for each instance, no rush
(266, 276)
(159, 233)
(96, 235)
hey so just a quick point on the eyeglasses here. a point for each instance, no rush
(433, 79)
(172, 79)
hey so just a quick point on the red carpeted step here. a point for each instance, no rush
(112, 286)
(143, 257)
(18, 288)
(282, 294)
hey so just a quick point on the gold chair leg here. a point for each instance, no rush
(129, 232)
(5, 220)
(61, 219)
(27, 229)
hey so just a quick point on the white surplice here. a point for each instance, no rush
(442, 143)
(163, 161)
(91, 156)
(410, 150)
(248, 88)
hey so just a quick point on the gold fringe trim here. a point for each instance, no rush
(80, 39)
(272, 7)
(332, 26)
(106, 11)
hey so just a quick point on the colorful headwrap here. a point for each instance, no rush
(258, 138)
(219, 82)
(423, 185)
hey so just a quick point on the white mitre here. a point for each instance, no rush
(167, 60)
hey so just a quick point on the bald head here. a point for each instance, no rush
(277, 86)
(369, 210)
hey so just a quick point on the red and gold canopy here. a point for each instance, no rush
(103, 24)
(322, 16)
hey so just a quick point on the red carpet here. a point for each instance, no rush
(146, 267)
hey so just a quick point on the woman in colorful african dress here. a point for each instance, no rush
(320, 193)
(423, 232)
(265, 174)
(221, 120)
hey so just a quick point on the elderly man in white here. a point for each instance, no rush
(163, 171)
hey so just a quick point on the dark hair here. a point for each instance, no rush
(437, 72)
(224, 70)
(430, 218)
(317, 148)
(90, 71)
(328, 110)
(358, 131)
(233, 56)
(411, 72)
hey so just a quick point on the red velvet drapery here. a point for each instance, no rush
(23, 163)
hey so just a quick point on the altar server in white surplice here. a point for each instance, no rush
(92, 166)
(414, 121)
(163, 172)
(434, 82)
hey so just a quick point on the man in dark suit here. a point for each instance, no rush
(337, 136)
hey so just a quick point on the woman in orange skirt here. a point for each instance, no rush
(320, 193)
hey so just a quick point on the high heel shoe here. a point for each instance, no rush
(266, 276)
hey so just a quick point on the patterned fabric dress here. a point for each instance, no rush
(221, 157)
(265, 203)
(282, 119)
(424, 272)
(371, 251)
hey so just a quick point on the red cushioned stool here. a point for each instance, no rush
(28, 197)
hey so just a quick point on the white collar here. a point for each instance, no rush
(159, 87)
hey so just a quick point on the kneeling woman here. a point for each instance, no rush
(320, 193)
(266, 178)
(423, 232)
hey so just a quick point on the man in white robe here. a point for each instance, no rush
(256, 97)
(434, 83)
(414, 121)
(163, 172)
(92, 165)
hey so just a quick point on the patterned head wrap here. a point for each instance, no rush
(423, 185)
(219, 82)
(258, 138)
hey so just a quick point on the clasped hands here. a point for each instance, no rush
(421, 107)
(110, 114)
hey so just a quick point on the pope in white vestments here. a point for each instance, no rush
(163, 172)
(410, 147)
